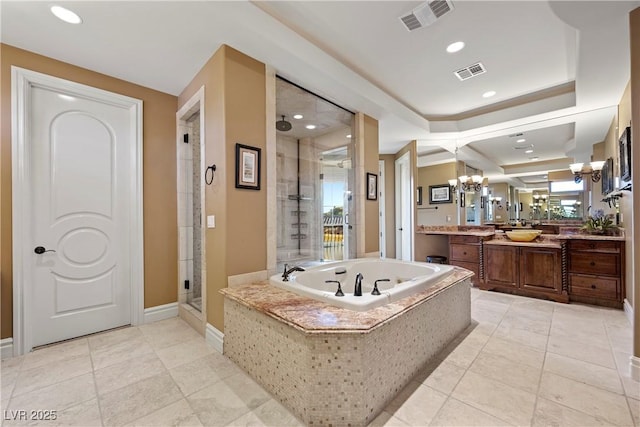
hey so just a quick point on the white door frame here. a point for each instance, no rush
(381, 208)
(21, 82)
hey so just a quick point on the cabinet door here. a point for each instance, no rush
(501, 265)
(540, 269)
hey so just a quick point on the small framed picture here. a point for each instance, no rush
(419, 195)
(247, 167)
(625, 155)
(439, 194)
(372, 186)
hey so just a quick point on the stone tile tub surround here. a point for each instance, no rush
(332, 366)
(402, 279)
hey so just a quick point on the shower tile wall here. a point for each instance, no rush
(289, 225)
(196, 244)
(185, 216)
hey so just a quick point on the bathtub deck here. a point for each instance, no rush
(332, 366)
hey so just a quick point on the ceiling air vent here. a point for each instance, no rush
(426, 14)
(470, 71)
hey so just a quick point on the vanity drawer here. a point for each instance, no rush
(467, 253)
(464, 239)
(594, 246)
(593, 286)
(473, 266)
(600, 264)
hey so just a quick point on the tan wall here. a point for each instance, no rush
(445, 214)
(389, 204)
(371, 214)
(159, 179)
(235, 112)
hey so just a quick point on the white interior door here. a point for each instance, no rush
(76, 247)
(382, 217)
(404, 203)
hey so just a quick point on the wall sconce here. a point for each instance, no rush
(470, 183)
(495, 200)
(453, 183)
(594, 169)
(539, 199)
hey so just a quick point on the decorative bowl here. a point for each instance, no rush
(523, 235)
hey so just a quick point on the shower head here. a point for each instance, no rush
(283, 125)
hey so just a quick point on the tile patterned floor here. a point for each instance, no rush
(523, 362)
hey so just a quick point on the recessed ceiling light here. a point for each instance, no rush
(455, 47)
(529, 151)
(521, 140)
(533, 158)
(489, 94)
(66, 15)
(298, 116)
(310, 127)
(349, 136)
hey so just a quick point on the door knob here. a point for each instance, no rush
(40, 250)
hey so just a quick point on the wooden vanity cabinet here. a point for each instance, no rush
(524, 270)
(466, 252)
(596, 273)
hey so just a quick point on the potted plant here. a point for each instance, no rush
(600, 223)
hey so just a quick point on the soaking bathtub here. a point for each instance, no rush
(405, 279)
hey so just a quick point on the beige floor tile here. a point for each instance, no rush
(550, 413)
(515, 352)
(251, 393)
(455, 413)
(508, 403)
(42, 376)
(585, 398)
(518, 321)
(85, 414)
(272, 413)
(588, 373)
(203, 372)
(11, 363)
(631, 387)
(589, 331)
(139, 399)
(497, 297)
(622, 362)
(113, 337)
(466, 351)
(184, 352)
(128, 372)
(634, 405)
(486, 316)
(620, 337)
(167, 333)
(533, 304)
(60, 396)
(217, 405)
(56, 353)
(385, 419)
(582, 351)
(125, 349)
(178, 414)
(441, 375)
(416, 404)
(521, 336)
(507, 371)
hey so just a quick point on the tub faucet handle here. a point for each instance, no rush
(375, 290)
(339, 292)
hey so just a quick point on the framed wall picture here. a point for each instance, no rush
(419, 199)
(439, 194)
(372, 186)
(607, 176)
(247, 167)
(625, 155)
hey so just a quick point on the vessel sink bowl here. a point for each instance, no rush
(523, 235)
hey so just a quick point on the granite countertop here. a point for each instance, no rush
(544, 243)
(311, 316)
(589, 237)
(456, 230)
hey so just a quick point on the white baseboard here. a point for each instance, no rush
(160, 312)
(634, 367)
(214, 337)
(6, 348)
(628, 310)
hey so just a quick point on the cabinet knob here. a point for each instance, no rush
(464, 253)
(593, 286)
(592, 245)
(593, 263)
